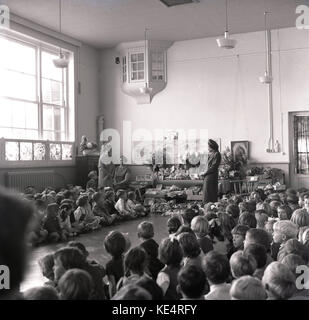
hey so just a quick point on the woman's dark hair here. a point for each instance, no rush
(170, 252)
(189, 245)
(115, 244)
(216, 267)
(135, 260)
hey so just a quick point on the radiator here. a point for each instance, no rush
(40, 179)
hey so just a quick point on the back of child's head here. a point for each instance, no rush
(240, 229)
(135, 261)
(300, 217)
(145, 230)
(292, 261)
(295, 247)
(41, 293)
(173, 224)
(115, 244)
(242, 264)
(192, 281)
(170, 252)
(286, 229)
(261, 219)
(132, 292)
(120, 193)
(80, 246)
(233, 211)
(183, 229)
(82, 200)
(227, 223)
(188, 215)
(248, 219)
(70, 257)
(279, 281)
(258, 236)
(189, 245)
(75, 284)
(131, 195)
(200, 226)
(259, 253)
(151, 287)
(216, 267)
(46, 265)
(247, 288)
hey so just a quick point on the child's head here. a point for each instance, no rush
(65, 259)
(242, 264)
(46, 265)
(188, 215)
(75, 284)
(239, 233)
(284, 212)
(300, 217)
(82, 200)
(135, 261)
(261, 219)
(52, 210)
(233, 211)
(284, 230)
(259, 253)
(279, 281)
(200, 226)
(216, 267)
(79, 246)
(121, 194)
(247, 288)
(192, 281)
(92, 175)
(151, 287)
(173, 224)
(97, 197)
(296, 247)
(269, 228)
(248, 219)
(131, 195)
(132, 292)
(170, 252)
(257, 236)
(145, 230)
(292, 261)
(115, 244)
(189, 245)
(41, 293)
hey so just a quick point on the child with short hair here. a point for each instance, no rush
(46, 265)
(115, 244)
(242, 264)
(192, 283)
(239, 234)
(247, 288)
(135, 207)
(200, 227)
(121, 205)
(52, 224)
(145, 233)
(93, 180)
(259, 253)
(173, 224)
(261, 219)
(217, 270)
(170, 254)
(247, 218)
(190, 248)
(284, 212)
(100, 210)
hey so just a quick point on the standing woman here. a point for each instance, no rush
(210, 186)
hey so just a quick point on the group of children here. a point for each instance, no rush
(72, 211)
(266, 237)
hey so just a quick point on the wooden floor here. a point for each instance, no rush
(94, 244)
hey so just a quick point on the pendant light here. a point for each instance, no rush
(266, 78)
(62, 61)
(146, 89)
(226, 42)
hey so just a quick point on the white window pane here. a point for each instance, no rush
(49, 70)
(39, 151)
(5, 113)
(67, 152)
(26, 151)
(55, 151)
(31, 110)
(48, 118)
(52, 91)
(17, 56)
(11, 151)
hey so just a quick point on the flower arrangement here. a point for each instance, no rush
(87, 147)
(230, 168)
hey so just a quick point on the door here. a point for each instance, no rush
(299, 149)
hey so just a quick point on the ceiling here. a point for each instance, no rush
(105, 23)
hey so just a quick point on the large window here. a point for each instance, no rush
(33, 92)
(301, 144)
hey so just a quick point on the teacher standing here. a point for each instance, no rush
(210, 185)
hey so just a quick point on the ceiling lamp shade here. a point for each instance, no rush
(62, 61)
(226, 42)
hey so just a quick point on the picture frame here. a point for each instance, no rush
(240, 150)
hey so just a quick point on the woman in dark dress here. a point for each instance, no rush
(210, 186)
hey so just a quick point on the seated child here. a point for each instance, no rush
(217, 271)
(75, 284)
(109, 202)
(170, 254)
(145, 232)
(65, 222)
(279, 282)
(52, 224)
(100, 211)
(259, 253)
(84, 217)
(46, 265)
(284, 212)
(247, 288)
(135, 207)
(41, 293)
(151, 287)
(93, 180)
(300, 217)
(192, 283)
(173, 224)
(239, 234)
(242, 264)
(248, 219)
(38, 234)
(261, 219)
(115, 244)
(121, 205)
(135, 263)
(190, 248)
(200, 227)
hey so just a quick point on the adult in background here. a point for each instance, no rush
(122, 175)
(210, 186)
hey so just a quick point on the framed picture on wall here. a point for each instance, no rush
(240, 150)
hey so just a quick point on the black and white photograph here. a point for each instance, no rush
(156, 151)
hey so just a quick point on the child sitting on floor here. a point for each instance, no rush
(200, 227)
(65, 222)
(93, 180)
(145, 232)
(121, 205)
(135, 207)
(100, 211)
(52, 224)
(46, 265)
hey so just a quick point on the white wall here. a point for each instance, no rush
(219, 90)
